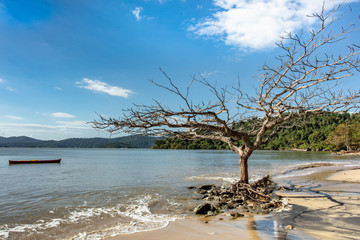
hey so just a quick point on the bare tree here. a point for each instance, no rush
(307, 81)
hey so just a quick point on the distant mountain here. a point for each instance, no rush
(18, 141)
(135, 141)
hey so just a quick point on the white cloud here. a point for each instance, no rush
(257, 24)
(2, 80)
(136, 12)
(58, 88)
(176, 120)
(98, 86)
(62, 115)
(13, 117)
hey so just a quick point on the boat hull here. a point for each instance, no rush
(34, 161)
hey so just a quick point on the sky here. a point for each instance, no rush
(63, 62)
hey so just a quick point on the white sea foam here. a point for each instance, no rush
(212, 178)
(136, 210)
(224, 179)
(297, 173)
(142, 220)
(4, 234)
(5, 230)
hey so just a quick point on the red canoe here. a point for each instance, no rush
(34, 161)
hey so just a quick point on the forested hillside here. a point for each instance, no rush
(120, 142)
(323, 132)
(311, 133)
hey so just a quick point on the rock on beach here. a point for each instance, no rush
(254, 198)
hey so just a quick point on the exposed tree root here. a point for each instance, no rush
(240, 197)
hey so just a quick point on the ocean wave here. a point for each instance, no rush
(142, 220)
(5, 230)
(310, 168)
(131, 217)
(302, 169)
(212, 178)
(221, 178)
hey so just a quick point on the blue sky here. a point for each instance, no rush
(63, 61)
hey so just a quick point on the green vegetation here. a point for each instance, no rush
(176, 143)
(316, 133)
(311, 134)
(346, 135)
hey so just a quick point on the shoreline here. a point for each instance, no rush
(347, 153)
(325, 205)
(218, 227)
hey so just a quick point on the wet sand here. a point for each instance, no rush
(348, 176)
(190, 229)
(326, 205)
(330, 208)
(219, 227)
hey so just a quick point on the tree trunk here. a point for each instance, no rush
(244, 174)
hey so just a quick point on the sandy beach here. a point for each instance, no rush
(325, 205)
(218, 227)
(331, 208)
(348, 176)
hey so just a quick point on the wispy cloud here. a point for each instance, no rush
(62, 115)
(58, 88)
(98, 86)
(176, 120)
(208, 74)
(10, 89)
(13, 117)
(76, 124)
(136, 12)
(257, 24)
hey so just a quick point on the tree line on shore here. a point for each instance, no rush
(327, 132)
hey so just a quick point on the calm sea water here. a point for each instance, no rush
(95, 193)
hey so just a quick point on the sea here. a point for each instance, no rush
(99, 193)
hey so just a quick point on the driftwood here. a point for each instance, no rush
(240, 198)
(258, 191)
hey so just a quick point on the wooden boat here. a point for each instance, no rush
(34, 161)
